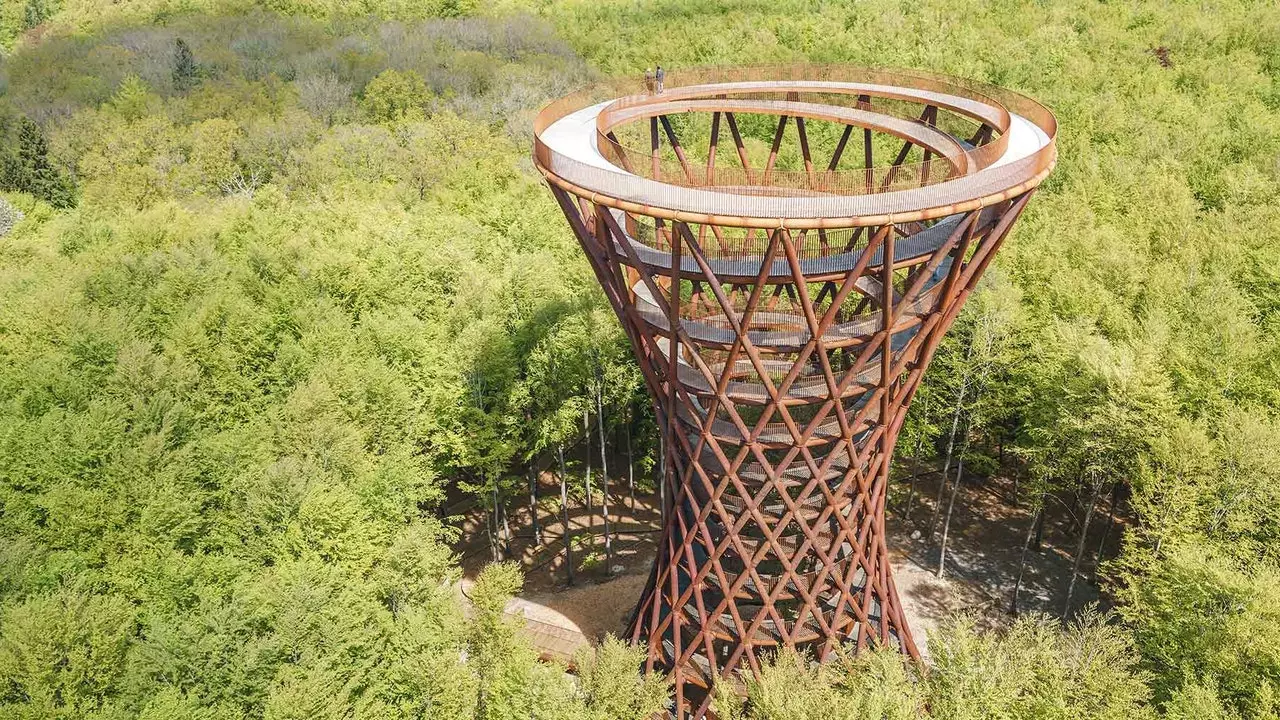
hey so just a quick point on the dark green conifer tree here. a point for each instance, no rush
(29, 170)
(185, 70)
(34, 13)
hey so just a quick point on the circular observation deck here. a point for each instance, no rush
(964, 145)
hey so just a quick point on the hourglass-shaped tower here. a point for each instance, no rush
(785, 248)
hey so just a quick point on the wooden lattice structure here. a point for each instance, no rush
(783, 299)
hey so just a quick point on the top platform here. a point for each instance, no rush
(980, 145)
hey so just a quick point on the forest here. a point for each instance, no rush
(279, 285)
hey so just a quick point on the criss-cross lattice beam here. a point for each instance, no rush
(792, 552)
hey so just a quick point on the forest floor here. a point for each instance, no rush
(985, 541)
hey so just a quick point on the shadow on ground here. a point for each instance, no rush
(984, 544)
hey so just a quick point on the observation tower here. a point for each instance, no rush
(785, 248)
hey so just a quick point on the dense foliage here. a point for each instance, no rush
(1034, 670)
(275, 276)
(235, 383)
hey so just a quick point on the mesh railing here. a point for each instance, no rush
(746, 243)
(792, 183)
(897, 112)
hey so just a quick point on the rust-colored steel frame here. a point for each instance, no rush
(780, 395)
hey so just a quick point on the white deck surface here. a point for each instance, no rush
(574, 136)
(1024, 139)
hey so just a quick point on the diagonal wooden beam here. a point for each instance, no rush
(655, 158)
(713, 148)
(740, 145)
(675, 145)
(835, 156)
(804, 152)
(773, 150)
(868, 163)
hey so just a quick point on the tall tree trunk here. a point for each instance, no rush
(911, 495)
(662, 480)
(924, 410)
(915, 463)
(1106, 531)
(506, 535)
(498, 525)
(1038, 543)
(1084, 535)
(586, 432)
(533, 505)
(951, 504)
(631, 465)
(564, 506)
(946, 464)
(1022, 559)
(604, 482)
(490, 529)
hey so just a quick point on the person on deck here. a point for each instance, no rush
(648, 80)
(661, 76)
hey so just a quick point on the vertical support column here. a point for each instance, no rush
(673, 369)
(655, 160)
(886, 353)
(713, 148)
(930, 117)
(887, 439)
(864, 103)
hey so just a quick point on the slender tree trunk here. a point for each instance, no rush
(499, 522)
(1038, 543)
(490, 529)
(924, 410)
(506, 535)
(951, 504)
(1084, 535)
(604, 482)
(1022, 560)
(533, 505)
(631, 465)
(662, 480)
(586, 431)
(915, 464)
(1077, 506)
(911, 495)
(1106, 531)
(946, 464)
(564, 506)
